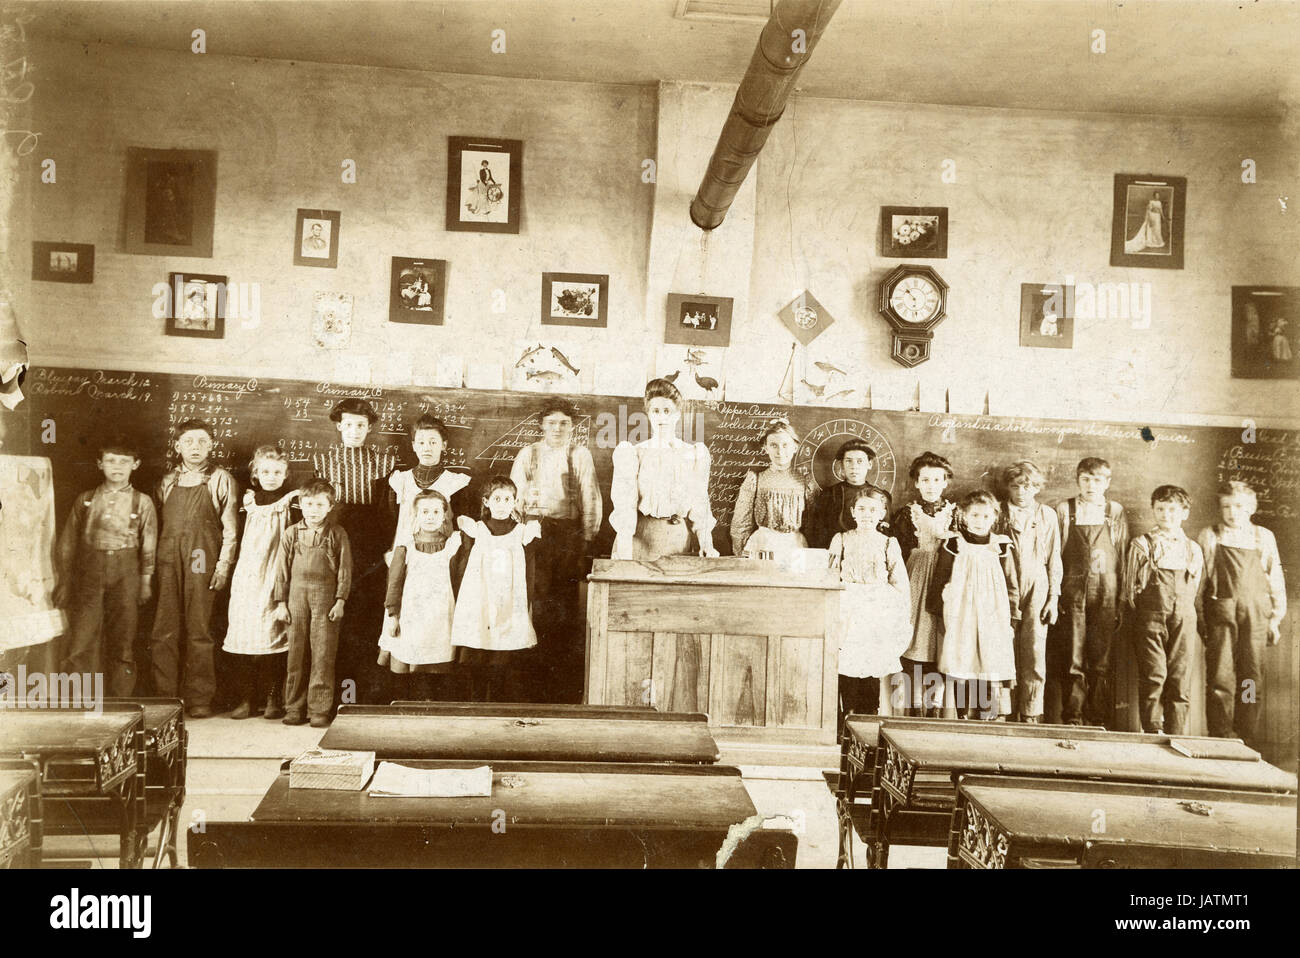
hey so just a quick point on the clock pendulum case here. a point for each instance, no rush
(914, 300)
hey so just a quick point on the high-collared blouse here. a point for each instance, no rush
(661, 479)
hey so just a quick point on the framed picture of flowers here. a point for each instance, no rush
(908, 232)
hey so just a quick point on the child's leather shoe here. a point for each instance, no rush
(294, 720)
(242, 711)
(320, 721)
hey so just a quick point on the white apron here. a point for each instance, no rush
(425, 617)
(406, 489)
(978, 642)
(769, 540)
(492, 609)
(252, 629)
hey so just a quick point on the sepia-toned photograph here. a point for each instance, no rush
(808, 534)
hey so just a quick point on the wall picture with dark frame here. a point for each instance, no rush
(170, 201)
(485, 184)
(418, 291)
(63, 262)
(575, 299)
(1265, 344)
(1147, 221)
(698, 320)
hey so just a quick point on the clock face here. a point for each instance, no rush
(915, 299)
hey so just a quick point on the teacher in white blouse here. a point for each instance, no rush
(660, 492)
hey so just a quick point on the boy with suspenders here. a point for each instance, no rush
(1094, 539)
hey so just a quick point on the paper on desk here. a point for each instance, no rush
(400, 781)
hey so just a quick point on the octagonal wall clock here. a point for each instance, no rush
(913, 300)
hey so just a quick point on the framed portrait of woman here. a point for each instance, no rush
(1147, 222)
(485, 184)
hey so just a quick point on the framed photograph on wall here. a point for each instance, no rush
(170, 201)
(1147, 221)
(575, 299)
(316, 239)
(1047, 315)
(485, 184)
(63, 262)
(914, 231)
(198, 305)
(1265, 344)
(417, 291)
(698, 320)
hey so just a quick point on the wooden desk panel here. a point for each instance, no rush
(1006, 822)
(418, 734)
(20, 814)
(753, 645)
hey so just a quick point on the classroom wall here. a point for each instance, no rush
(1031, 203)
(281, 131)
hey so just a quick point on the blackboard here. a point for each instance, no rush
(70, 409)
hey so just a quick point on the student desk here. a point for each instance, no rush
(20, 814)
(166, 742)
(915, 767)
(92, 769)
(521, 733)
(750, 642)
(854, 786)
(540, 815)
(1004, 822)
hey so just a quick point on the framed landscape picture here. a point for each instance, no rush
(316, 238)
(698, 320)
(485, 184)
(1264, 340)
(170, 201)
(63, 262)
(1047, 315)
(575, 299)
(1147, 221)
(198, 305)
(914, 231)
(418, 290)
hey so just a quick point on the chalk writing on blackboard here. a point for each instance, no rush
(1060, 430)
(505, 448)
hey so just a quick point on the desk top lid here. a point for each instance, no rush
(799, 569)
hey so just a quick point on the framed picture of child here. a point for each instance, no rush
(1264, 340)
(1047, 315)
(485, 184)
(698, 320)
(575, 299)
(316, 239)
(417, 291)
(63, 262)
(170, 201)
(198, 305)
(1147, 221)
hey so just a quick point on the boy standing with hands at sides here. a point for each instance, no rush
(831, 511)
(1094, 539)
(1036, 540)
(1245, 601)
(313, 576)
(106, 565)
(358, 471)
(1162, 579)
(196, 550)
(556, 479)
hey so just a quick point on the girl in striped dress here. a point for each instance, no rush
(770, 506)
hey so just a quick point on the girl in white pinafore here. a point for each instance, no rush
(874, 624)
(419, 605)
(975, 590)
(258, 641)
(492, 607)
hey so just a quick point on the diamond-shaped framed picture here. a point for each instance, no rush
(805, 317)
